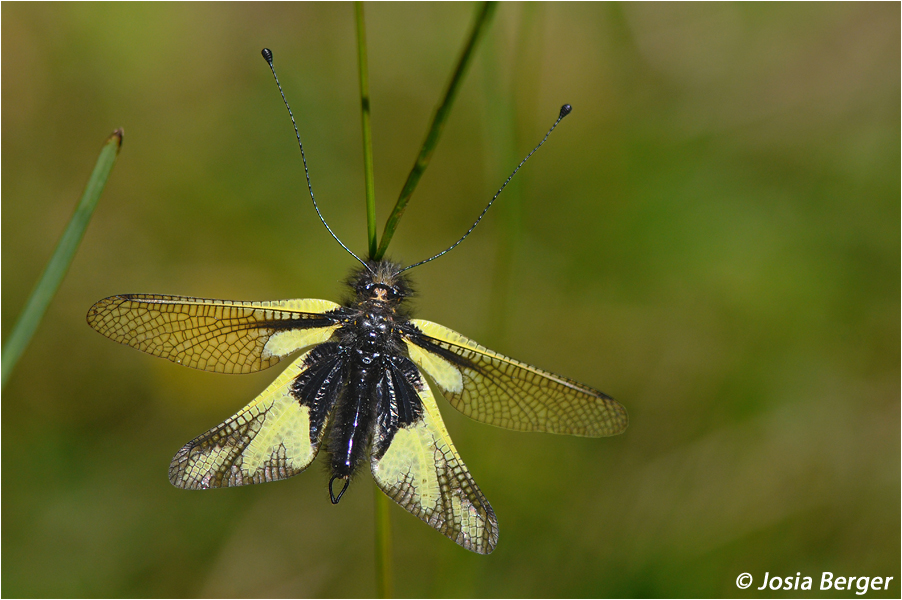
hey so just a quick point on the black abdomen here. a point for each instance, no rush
(380, 395)
(352, 422)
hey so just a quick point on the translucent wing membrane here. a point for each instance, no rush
(274, 437)
(494, 389)
(214, 335)
(421, 470)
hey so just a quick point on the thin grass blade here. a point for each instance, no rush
(58, 264)
(368, 175)
(384, 578)
(483, 17)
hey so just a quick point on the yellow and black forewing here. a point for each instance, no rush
(274, 437)
(223, 336)
(494, 389)
(421, 470)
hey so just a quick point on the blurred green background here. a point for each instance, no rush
(712, 238)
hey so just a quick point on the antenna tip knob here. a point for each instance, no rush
(267, 54)
(565, 109)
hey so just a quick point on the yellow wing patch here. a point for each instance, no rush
(267, 440)
(446, 375)
(223, 336)
(507, 393)
(286, 342)
(422, 471)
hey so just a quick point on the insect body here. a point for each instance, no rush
(362, 378)
(362, 388)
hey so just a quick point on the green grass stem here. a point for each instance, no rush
(58, 264)
(368, 176)
(384, 583)
(384, 579)
(483, 16)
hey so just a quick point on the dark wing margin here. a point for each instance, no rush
(223, 336)
(494, 389)
(274, 437)
(421, 470)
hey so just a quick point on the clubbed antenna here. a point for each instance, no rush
(565, 110)
(267, 54)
